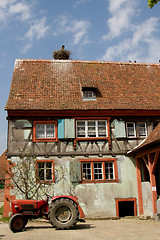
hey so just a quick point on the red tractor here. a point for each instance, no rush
(63, 212)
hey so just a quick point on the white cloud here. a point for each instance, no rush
(26, 48)
(141, 46)
(13, 8)
(120, 21)
(37, 30)
(78, 28)
(20, 8)
(78, 2)
(145, 30)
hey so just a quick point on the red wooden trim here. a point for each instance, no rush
(114, 160)
(116, 170)
(153, 184)
(148, 149)
(145, 160)
(98, 160)
(55, 139)
(108, 138)
(45, 161)
(103, 168)
(92, 170)
(139, 186)
(74, 113)
(126, 200)
(91, 138)
(155, 162)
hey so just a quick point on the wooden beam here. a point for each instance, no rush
(145, 160)
(155, 162)
(153, 183)
(139, 186)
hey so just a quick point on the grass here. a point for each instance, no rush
(3, 219)
(1, 210)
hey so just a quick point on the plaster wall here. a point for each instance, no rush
(98, 199)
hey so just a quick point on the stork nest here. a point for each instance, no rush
(61, 54)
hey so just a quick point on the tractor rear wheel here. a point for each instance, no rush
(17, 222)
(63, 213)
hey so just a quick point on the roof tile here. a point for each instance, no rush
(57, 85)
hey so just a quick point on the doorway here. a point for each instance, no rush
(126, 207)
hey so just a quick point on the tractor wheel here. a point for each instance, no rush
(63, 213)
(17, 222)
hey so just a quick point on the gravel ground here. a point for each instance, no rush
(125, 229)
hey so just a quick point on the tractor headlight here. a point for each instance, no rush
(16, 207)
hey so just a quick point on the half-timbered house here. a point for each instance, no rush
(79, 119)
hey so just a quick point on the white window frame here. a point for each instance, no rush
(89, 94)
(45, 130)
(86, 129)
(98, 171)
(134, 129)
(145, 129)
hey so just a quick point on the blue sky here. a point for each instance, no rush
(108, 30)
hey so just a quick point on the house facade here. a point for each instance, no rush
(147, 156)
(78, 120)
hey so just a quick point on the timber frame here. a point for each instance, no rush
(150, 158)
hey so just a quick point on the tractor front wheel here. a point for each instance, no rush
(17, 222)
(63, 213)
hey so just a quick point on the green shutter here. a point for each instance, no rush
(75, 171)
(69, 128)
(120, 131)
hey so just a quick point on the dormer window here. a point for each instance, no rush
(89, 93)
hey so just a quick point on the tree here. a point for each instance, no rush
(151, 3)
(24, 180)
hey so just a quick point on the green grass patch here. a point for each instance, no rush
(4, 219)
(1, 210)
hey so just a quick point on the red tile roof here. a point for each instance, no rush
(57, 85)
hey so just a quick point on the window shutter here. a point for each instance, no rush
(69, 128)
(120, 131)
(60, 128)
(75, 171)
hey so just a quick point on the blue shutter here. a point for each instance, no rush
(120, 131)
(60, 128)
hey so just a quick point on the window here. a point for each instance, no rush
(91, 129)
(89, 95)
(44, 131)
(45, 170)
(99, 170)
(131, 129)
(136, 129)
(142, 129)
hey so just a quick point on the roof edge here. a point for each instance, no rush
(19, 61)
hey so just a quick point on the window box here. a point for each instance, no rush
(45, 131)
(45, 171)
(97, 171)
